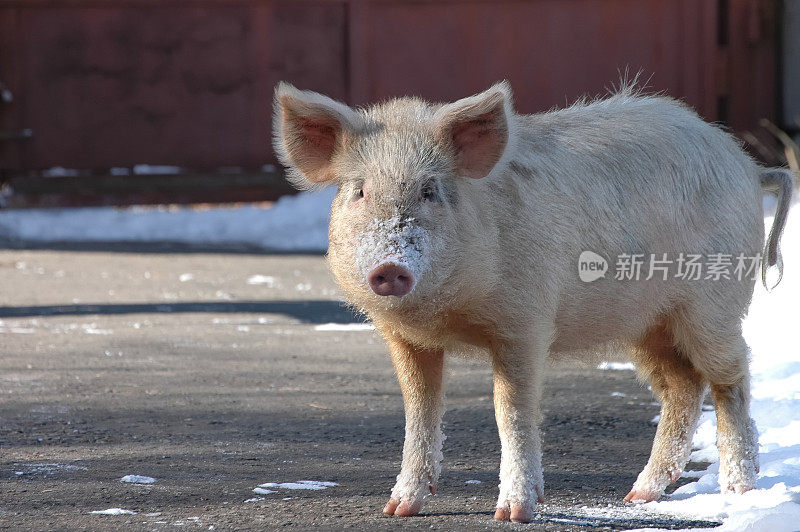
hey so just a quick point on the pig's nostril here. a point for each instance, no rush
(391, 280)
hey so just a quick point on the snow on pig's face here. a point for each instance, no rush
(385, 236)
(401, 215)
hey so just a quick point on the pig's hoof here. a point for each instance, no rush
(517, 513)
(402, 508)
(518, 506)
(407, 498)
(649, 491)
(736, 488)
(651, 483)
(738, 476)
(642, 495)
(738, 483)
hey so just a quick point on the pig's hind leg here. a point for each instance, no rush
(722, 357)
(737, 437)
(680, 388)
(419, 372)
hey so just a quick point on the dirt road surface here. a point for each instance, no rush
(214, 373)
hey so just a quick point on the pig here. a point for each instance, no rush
(460, 226)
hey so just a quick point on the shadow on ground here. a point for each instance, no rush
(313, 311)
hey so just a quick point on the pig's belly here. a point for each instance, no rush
(588, 323)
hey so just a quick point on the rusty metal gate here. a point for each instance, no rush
(96, 88)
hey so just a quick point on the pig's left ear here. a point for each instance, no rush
(308, 130)
(477, 128)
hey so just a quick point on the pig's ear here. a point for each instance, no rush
(308, 129)
(477, 128)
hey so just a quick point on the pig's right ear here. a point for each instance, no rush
(308, 129)
(477, 128)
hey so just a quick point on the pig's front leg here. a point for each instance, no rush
(419, 372)
(517, 393)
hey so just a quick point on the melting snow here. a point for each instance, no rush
(616, 365)
(262, 279)
(262, 489)
(91, 330)
(345, 327)
(27, 469)
(114, 511)
(293, 223)
(137, 479)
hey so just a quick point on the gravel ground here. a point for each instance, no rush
(168, 363)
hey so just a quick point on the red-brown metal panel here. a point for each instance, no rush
(191, 86)
(9, 77)
(552, 51)
(752, 63)
(106, 83)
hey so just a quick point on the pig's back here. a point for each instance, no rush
(632, 175)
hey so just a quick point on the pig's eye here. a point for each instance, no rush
(429, 192)
(359, 194)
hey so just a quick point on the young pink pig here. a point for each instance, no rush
(465, 223)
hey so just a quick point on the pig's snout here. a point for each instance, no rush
(390, 280)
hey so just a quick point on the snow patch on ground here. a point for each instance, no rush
(137, 479)
(293, 223)
(345, 327)
(93, 330)
(264, 489)
(47, 468)
(616, 365)
(114, 511)
(30, 326)
(262, 279)
(300, 485)
(18, 330)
